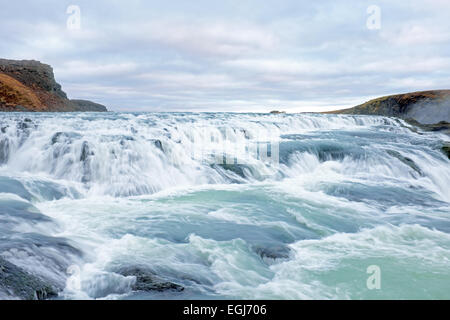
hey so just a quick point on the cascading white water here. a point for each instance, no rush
(142, 154)
(190, 198)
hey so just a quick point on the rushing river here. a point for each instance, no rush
(144, 206)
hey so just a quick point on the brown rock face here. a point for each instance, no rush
(32, 74)
(29, 85)
(13, 94)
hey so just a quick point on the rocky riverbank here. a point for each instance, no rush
(426, 108)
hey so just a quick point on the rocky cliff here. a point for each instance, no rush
(29, 85)
(425, 107)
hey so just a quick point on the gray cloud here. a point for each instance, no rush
(230, 55)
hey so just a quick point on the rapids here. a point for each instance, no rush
(222, 205)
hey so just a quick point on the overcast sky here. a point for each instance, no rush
(233, 55)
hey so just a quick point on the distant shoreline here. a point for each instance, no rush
(424, 107)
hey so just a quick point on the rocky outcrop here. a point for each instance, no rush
(147, 281)
(425, 107)
(29, 85)
(15, 283)
(443, 126)
(85, 105)
(446, 150)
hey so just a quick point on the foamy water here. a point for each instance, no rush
(86, 196)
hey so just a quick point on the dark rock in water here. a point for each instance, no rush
(158, 144)
(50, 258)
(3, 129)
(64, 137)
(56, 137)
(169, 135)
(246, 134)
(446, 149)
(85, 152)
(442, 126)
(24, 130)
(22, 125)
(125, 139)
(273, 252)
(410, 163)
(238, 169)
(332, 152)
(234, 173)
(4, 150)
(32, 264)
(147, 281)
(19, 284)
(25, 124)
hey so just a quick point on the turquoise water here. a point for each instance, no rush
(85, 196)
